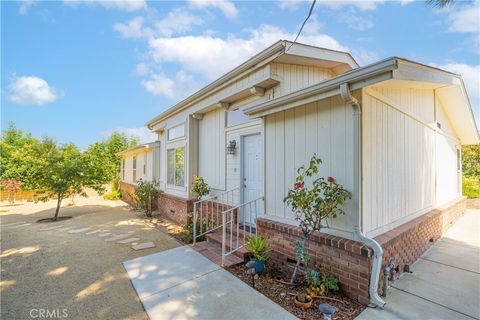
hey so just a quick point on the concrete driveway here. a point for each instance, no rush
(445, 283)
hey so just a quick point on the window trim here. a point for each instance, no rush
(134, 169)
(184, 124)
(123, 169)
(175, 146)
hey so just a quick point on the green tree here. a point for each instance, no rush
(105, 154)
(62, 171)
(471, 161)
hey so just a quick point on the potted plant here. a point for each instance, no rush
(303, 300)
(200, 187)
(258, 247)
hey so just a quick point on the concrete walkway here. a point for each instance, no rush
(181, 284)
(445, 283)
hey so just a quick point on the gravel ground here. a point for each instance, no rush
(75, 276)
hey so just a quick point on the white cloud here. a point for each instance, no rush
(357, 22)
(465, 19)
(405, 2)
(227, 7)
(359, 4)
(177, 87)
(133, 28)
(31, 90)
(143, 134)
(471, 77)
(212, 56)
(123, 5)
(177, 21)
(333, 4)
(25, 5)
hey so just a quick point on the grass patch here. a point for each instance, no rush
(471, 187)
(3, 211)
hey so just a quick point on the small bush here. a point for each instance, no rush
(114, 195)
(320, 282)
(187, 235)
(200, 187)
(146, 193)
(471, 187)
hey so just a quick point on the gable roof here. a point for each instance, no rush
(281, 51)
(448, 86)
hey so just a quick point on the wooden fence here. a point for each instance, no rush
(21, 195)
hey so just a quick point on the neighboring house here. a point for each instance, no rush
(390, 132)
(141, 162)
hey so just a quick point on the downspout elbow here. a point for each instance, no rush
(356, 199)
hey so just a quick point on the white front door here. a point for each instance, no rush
(252, 177)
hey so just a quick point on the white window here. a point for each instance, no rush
(123, 169)
(134, 169)
(176, 132)
(459, 170)
(176, 166)
(145, 164)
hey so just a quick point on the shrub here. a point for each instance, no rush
(258, 247)
(187, 235)
(200, 187)
(113, 195)
(320, 282)
(471, 187)
(146, 193)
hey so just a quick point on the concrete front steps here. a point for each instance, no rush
(211, 248)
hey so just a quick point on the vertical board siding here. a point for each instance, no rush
(400, 158)
(292, 137)
(295, 77)
(211, 151)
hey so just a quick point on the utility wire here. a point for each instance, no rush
(303, 25)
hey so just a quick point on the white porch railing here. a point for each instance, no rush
(238, 224)
(207, 213)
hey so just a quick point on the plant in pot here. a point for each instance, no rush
(303, 300)
(258, 248)
(200, 187)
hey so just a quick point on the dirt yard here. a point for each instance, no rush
(76, 274)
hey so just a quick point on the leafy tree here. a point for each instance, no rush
(146, 193)
(440, 3)
(471, 161)
(62, 171)
(314, 206)
(105, 154)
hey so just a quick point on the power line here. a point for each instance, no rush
(303, 25)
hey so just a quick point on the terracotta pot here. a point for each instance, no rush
(304, 305)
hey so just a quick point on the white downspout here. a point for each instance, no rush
(356, 195)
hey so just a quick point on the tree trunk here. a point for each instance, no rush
(297, 265)
(59, 203)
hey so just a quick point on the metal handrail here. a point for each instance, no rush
(231, 220)
(220, 201)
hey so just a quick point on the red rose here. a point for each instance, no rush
(330, 179)
(299, 185)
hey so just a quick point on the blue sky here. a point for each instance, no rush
(78, 70)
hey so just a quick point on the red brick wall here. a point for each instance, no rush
(127, 190)
(174, 208)
(406, 243)
(350, 261)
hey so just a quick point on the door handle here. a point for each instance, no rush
(244, 185)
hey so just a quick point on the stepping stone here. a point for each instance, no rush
(118, 237)
(128, 240)
(12, 224)
(93, 232)
(104, 234)
(51, 228)
(79, 230)
(144, 245)
(20, 225)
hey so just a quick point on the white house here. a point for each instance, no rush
(390, 132)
